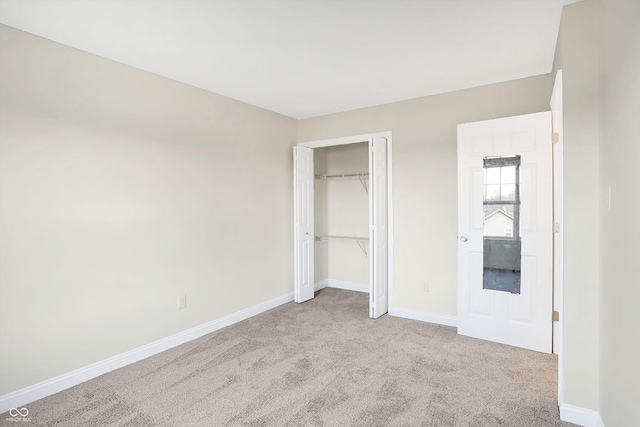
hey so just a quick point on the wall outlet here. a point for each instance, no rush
(607, 199)
(425, 286)
(182, 302)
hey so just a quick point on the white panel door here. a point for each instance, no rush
(303, 180)
(379, 231)
(522, 318)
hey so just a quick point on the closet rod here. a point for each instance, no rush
(362, 177)
(359, 240)
(343, 175)
(322, 238)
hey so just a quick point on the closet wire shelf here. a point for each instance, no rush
(359, 240)
(362, 177)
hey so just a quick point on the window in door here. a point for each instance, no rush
(501, 233)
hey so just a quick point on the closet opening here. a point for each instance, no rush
(342, 210)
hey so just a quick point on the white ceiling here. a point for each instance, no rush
(305, 58)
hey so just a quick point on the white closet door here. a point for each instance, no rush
(378, 236)
(303, 177)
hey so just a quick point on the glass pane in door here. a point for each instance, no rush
(502, 243)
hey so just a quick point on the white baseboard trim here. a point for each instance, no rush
(46, 388)
(581, 416)
(439, 319)
(348, 286)
(321, 285)
(342, 284)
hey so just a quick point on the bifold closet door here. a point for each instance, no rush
(379, 228)
(303, 176)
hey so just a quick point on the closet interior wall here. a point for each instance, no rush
(342, 209)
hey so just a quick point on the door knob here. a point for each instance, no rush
(463, 238)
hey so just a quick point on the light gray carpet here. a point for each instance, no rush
(319, 363)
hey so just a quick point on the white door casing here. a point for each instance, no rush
(525, 319)
(379, 227)
(558, 236)
(303, 181)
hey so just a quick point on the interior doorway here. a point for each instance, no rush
(552, 316)
(375, 242)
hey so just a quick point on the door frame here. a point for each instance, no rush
(355, 139)
(558, 242)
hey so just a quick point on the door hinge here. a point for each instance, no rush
(555, 316)
(555, 137)
(556, 227)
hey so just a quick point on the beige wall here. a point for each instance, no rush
(579, 60)
(119, 191)
(620, 139)
(425, 176)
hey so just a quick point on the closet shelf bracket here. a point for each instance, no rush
(363, 246)
(364, 183)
